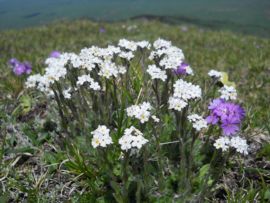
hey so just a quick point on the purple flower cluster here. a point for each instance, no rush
(55, 54)
(20, 68)
(227, 114)
(181, 69)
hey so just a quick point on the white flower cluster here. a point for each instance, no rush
(126, 55)
(104, 62)
(101, 137)
(170, 56)
(87, 79)
(156, 73)
(102, 54)
(55, 70)
(228, 93)
(186, 90)
(222, 143)
(237, 142)
(177, 103)
(104, 57)
(88, 58)
(198, 122)
(128, 44)
(173, 57)
(144, 44)
(141, 111)
(32, 80)
(108, 69)
(132, 138)
(132, 46)
(161, 43)
(183, 92)
(214, 74)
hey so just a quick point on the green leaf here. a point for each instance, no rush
(267, 195)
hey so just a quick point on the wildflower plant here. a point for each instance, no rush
(145, 118)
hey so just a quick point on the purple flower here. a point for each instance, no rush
(102, 30)
(55, 54)
(215, 103)
(227, 110)
(226, 114)
(181, 69)
(230, 126)
(28, 67)
(19, 69)
(212, 119)
(13, 62)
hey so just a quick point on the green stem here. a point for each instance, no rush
(64, 121)
(160, 163)
(125, 176)
(4, 134)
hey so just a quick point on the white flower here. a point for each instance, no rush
(141, 111)
(228, 93)
(156, 119)
(32, 80)
(125, 142)
(239, 144)
(144, 44)
(183, 91)
(126, 55)
(76, 61)
(222, 143)
(55, 72)
(83, 79)
(138, 142)
(108, 69)
(156, 73)
(121, 69)
(50, 94)
(189, 70)
(67, 94)
(132, 138)
(214, 74)
(177, 103)
(96, 54)
(113, 49)
(94, 85)
(186, 90)
(87, 79)
(198, 122)
(101, 137)
(88, 58)
(161, 43)
(173, 57)
(129, 45)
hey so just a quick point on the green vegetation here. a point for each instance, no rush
(33, 150)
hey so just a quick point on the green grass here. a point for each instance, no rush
(245, 58)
